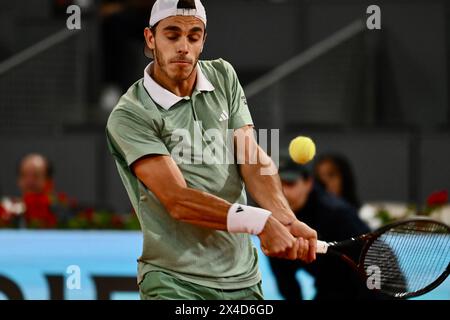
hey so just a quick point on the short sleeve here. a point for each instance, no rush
(239, 113)
(133, 136)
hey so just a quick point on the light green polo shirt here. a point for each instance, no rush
(143, 123)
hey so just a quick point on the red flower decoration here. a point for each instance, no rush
(117, 221)
(65, 200)
(38, 210)
(438, 198)
(87, 215)
(62, 197)
(90, 214)
(4, 215)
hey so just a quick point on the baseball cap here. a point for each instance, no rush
(290, 171)
(167, 8)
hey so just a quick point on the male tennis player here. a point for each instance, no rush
(195, 223)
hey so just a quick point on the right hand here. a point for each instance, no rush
(277, 241)
(307, 238)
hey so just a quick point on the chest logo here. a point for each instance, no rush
(223, 116)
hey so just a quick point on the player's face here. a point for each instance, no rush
(177, 45)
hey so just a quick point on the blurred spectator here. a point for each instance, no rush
(334, 173)
(334, 220)
(35, 174)
(43, 206)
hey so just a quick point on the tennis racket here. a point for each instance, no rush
(404, 259)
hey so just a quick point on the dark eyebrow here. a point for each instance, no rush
(177, 29)
(196, 29)
(172, 28)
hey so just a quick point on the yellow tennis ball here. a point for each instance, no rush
(302, 150)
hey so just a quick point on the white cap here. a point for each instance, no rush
(167, 8)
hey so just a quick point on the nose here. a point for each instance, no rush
(183, 46)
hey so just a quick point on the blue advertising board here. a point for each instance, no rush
(96, 265)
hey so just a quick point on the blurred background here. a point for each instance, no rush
(377, 98)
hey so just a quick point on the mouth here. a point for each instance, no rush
(181, 62)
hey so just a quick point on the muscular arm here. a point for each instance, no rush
(261, 176)
(263, 183)
(162, 176)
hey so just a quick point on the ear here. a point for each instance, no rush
(149, 38)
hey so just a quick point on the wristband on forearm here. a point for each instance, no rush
(246, 219)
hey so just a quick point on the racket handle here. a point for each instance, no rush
(322, 247)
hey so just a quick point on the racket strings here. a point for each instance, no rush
(432, 259)
(410, 256)
(381, 256)
(410, 269)
(445, 252)
(439, 249)
(391, 275)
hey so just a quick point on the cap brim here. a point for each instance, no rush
(289, 176)
(147, 52)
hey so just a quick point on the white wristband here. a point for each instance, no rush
(246, 219)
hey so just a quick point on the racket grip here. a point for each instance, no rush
(322, 247)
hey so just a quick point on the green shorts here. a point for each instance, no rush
(158, 285)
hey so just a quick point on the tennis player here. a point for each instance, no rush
(195, 221)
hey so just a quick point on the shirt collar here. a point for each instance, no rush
(164, 97)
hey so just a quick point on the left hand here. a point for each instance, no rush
(307, 238)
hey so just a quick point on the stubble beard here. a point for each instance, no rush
(163, 66)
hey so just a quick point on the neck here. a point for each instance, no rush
(181, 88)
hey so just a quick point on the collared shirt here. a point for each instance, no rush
(164, 97)
(149, 119)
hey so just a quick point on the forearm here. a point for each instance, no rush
(206, 210)
(266, 188)
(161, 175)
(199, 208)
